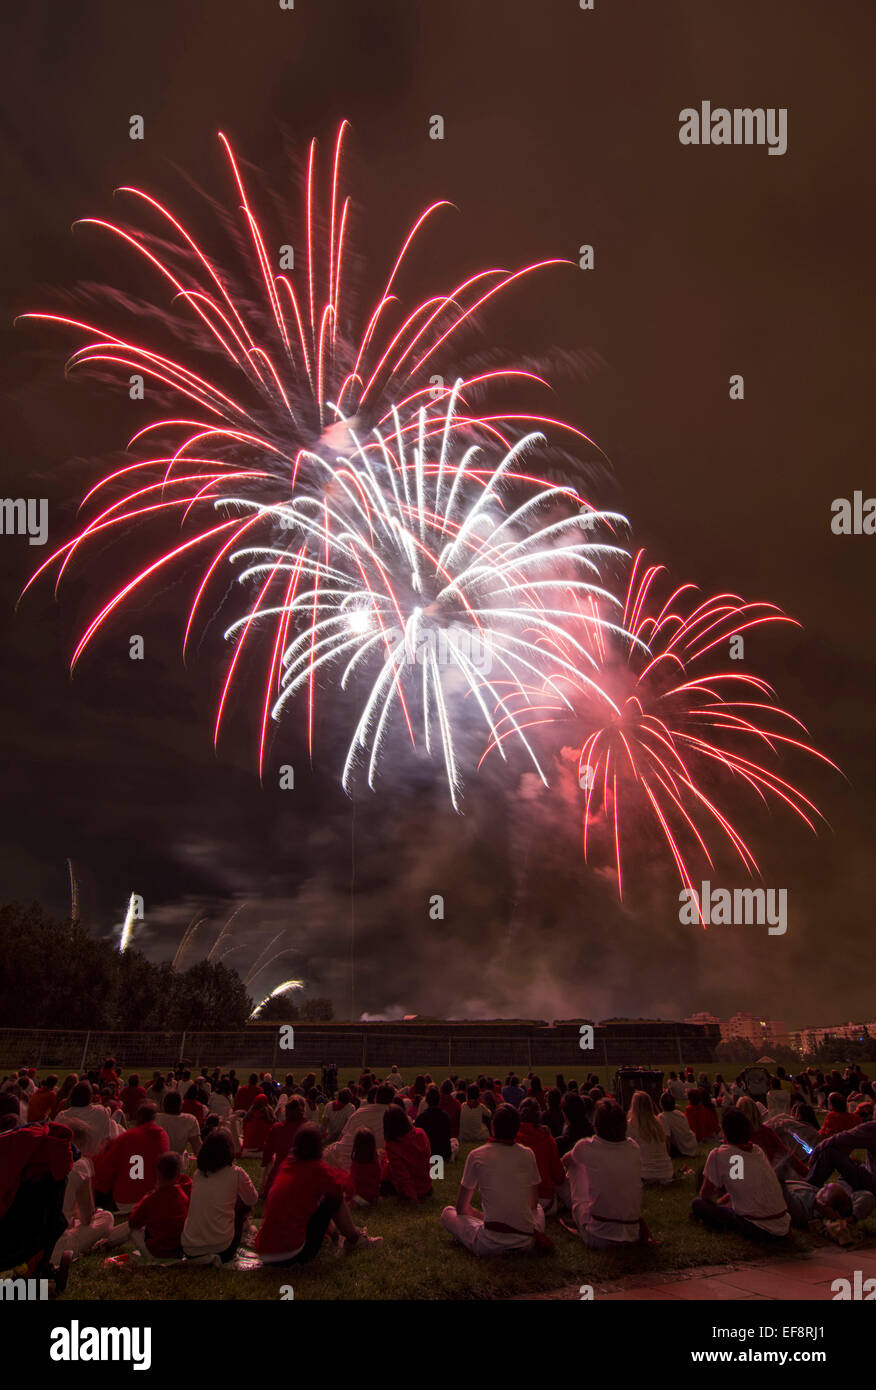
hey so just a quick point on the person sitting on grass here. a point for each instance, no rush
(576, 1116)
(740, 1191)
(42, 1102)
(132, 1096)
(778, 1098)
(221, 1198)
(34, 1163)
(837, 1118)
(701, 1115)
(835, 1153)
(552, 1116)
(183, 1131)
(369, 1169)
(278, 1143)
(82, 1107)
(474, 1118)
(512, 1092)
(125, 1171)
(408, 1155)
(220, 1102)
(506, 1175)
(450, 1106)
(436, 1125)
(306, 1199)
(336, 1114)
(256, 1127)
(157, 1221)
(605, 1183)
(195, 1103)
(770, 1141)
(368, 1116)
(644, 1129)
(538, 1137)
(86, 1223)
(682, 1140)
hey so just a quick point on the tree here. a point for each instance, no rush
(317, 1011)
(208, 998)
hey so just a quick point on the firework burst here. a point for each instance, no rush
(684, 727)
(294, 374)
(436, 574)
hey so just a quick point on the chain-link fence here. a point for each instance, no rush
(268, 1047)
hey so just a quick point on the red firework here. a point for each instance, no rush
(678, 726)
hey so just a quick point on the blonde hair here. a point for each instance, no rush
(751, 1112)
(642, 1117)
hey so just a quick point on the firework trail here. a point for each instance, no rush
(286, 987)
(186, 941)
(227, 459)
(683, 722)
(128, 927)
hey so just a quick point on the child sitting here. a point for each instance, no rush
(368, 1168)
(157, 1220)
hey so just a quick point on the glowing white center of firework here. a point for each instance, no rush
(359, 620)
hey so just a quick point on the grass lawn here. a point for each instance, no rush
(419, 1260)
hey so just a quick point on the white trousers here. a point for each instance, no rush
(471, 1232)
(80, 1238)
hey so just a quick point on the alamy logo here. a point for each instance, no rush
(75, 1343)
(743, 125)
(744, 906)
(30, 1290)
(25, 516)
(858, 1288)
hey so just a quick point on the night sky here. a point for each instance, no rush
(561, 129)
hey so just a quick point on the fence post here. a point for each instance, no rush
(182, 1047)
(529, 1051)
(274, 1062)
(678, 1048)
(449, 1055)
(85, 1051)
(364, 1050)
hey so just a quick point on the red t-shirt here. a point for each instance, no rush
(452, 1108)
(279, 1141)
(256, 1129)
(131, 1098)
(162, 1213)
(245, 1097)
(547, 1156)
(836, 1121)
(409, 1159)
(295, 1194)
(112, 1168)
(703, 1121)
(40, 1105)
(367, 1177)
(194, 1107)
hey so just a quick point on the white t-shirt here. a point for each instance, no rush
(505, 1175)
(339, 1155)
(679, 1090)
(219, 1105)
(98, 1122)
(656, 1163)
(181, 1130)
(606, 1179)
(209, 1227)
(333, 1120)
(778, 1102)
(473, 1123)
(395, 1081)
(678, 1131)
(755, 1191)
